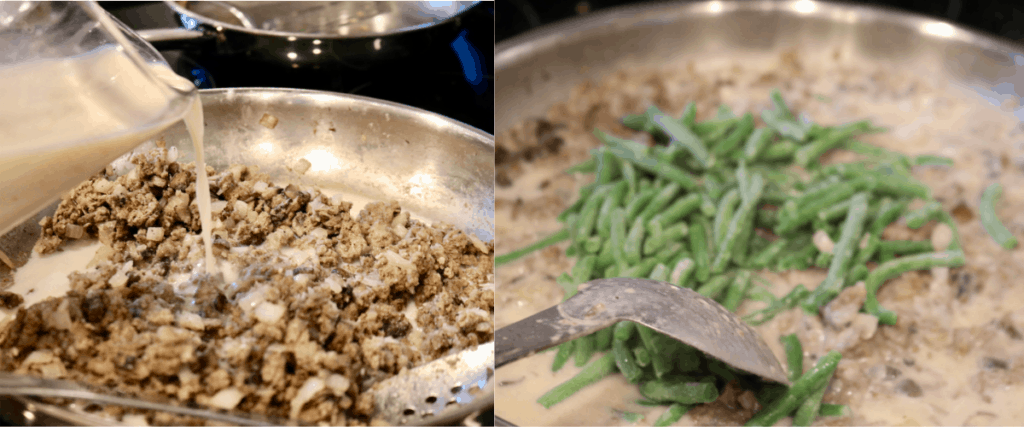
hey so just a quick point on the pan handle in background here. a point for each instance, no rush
(177, 38)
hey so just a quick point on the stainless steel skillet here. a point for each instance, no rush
(437, 168)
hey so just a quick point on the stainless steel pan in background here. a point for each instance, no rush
(433, 166)
(299, 34)
(539, 68)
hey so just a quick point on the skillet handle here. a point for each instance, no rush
(177, 38)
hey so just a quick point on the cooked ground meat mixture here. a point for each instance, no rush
(312, 296)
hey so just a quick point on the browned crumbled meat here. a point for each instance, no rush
(318, 294)
(10, 300)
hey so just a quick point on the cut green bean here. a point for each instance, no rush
(794, 356)
(990, 220)
(739, 134)
(660, 200)
(714, 287)
(681, 273)
(660, 273)
(643, 356)
(782, 150)
(808, 410)
(632, 178)
(584, 269)
(607, 166)
(565, 351)
(707, 206)
(833, 410)
(680, 392)
(556, 238)
(790, 300)
(738, 291)
(682, 136)
(624, 331)
(618, 237)
(897, 267)
(886, 215)
(638, 203)
(625, 361)
(700, 250)
(842, 254)
(811, 152)
(603, 339)
(660, 238)
(657, 345)
(810, 382)
(765, 257)
(723, 215)
(590, 374)
(642, 160)
(584, 349)
(918, 218)
(586, 166)
(633, 245)
(674, 412)
(786, 126)
(679, 209)
(585, 193)
(906, 247)
(929, 160)
(743, 218)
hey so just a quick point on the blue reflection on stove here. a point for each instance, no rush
(472, 66)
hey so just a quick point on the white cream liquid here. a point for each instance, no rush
(90, 110)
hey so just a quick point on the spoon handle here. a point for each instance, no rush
(543, 330)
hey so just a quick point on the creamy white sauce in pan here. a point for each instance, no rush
(956, 357)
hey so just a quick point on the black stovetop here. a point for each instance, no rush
(998, 17)
(452, 83)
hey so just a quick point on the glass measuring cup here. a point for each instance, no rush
(79, 90)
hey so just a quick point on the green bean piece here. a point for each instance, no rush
(708, 127)
(657, 346)
(583, 270)
(593, 245)
(786, 126)
(743, 218)
(640, 122)
(842, 254)
(585, 193)
(590, 374)
(603, 339)
(724, 112)
(897, 267)
(584, 349)
(903, 187)
(741, 248)
(681, 272)
(918, 218)
(660, 273)
(674, 412)
(739, 134)
(722, 127)
(782, 150)
(857, 273)
(587, 219)
(707, 205)
(947, 219)
(612, 271)
(906, 247)
(886, 215)
(643, 356)
(810, 382)
(823, 260)
(811, 152)
(632, 179)
(787, 302)
(637, 204)
(929, 160)
(661, 238)
(586, 166)
(794, 356)
(682, 137)
(808, 410)
(878, 153)
(604, 217)
(780, 104)
(700, 250)
(680, 392)
(738, 291)
(766, 256)
(623, 331)
(833, 410)
(607, 166)
(990, 220)
(675, 212)
(659, 201)
(743, 181)
(714, 287)
(565, 350)
(723, 215)
(625, 361)
(633, 245)
(810, 211)
(618, 237)
(605, 257)
(558, 237)
(864, 254)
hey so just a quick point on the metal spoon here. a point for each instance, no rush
(677, 312)
(442, 392)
